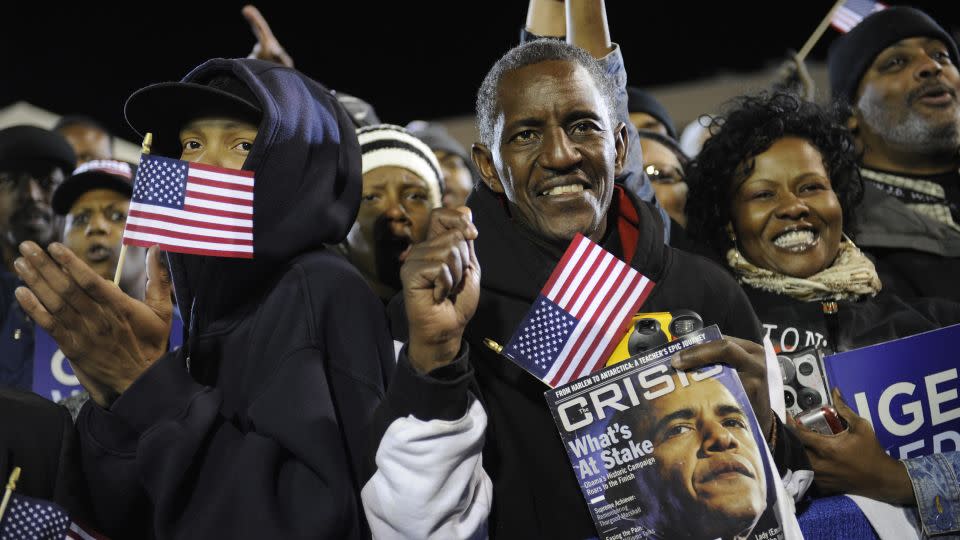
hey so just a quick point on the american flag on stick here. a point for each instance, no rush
(852, 12)
(191, 208)
(36, 519)
(579, 316)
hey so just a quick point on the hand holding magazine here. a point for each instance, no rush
(661, 453)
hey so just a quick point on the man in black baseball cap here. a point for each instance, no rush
(897, 71)
(33, 161)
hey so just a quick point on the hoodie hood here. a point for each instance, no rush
(306, 164)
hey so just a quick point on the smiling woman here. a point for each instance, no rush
(771, 195)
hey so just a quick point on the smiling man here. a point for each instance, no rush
(469, 426)
(897, 70)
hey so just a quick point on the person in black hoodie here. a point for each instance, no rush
(466, 444)
(256, 427)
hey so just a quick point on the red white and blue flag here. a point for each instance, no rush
(37, 519)
(579, 316)
(191, 208)
(852, 12)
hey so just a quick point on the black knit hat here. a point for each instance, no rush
(852, 54)
(643, 102)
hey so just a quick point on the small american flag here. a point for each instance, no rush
(36, 519)
(191, 208)
(852, 12)
(579, 315)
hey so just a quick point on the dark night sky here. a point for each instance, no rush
(399, 55)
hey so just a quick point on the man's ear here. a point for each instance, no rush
(483, 159)
(621, 143)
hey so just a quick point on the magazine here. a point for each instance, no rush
(661, 453)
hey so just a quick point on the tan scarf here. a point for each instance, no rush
(851, 276)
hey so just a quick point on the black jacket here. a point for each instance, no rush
(38, 436)
(794, 324)
(256, 428)
(916, 255)
(535, 493)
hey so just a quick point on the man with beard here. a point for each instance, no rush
(898, 72)
(33, 161)
(402, 183)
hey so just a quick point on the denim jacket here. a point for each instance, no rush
(937, 489)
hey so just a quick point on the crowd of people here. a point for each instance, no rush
(337, 384)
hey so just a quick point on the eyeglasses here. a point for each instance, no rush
(667, 175)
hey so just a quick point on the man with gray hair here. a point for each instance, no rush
(467, 447)
(897, 70)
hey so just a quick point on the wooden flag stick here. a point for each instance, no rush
(144, 150)
(11, 485)
(808, 46)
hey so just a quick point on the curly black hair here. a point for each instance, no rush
(749, 127)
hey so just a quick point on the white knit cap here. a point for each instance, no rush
(385, 145)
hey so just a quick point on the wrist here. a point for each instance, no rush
(426, 356)
(896, 486)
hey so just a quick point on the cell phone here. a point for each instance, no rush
(823, 420)
(804, 383)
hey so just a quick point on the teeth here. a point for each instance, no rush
(574, 188)
(795, 240)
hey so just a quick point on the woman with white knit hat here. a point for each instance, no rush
(402, 183)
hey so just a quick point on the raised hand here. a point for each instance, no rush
(109, 337)
(267, 47)
(441, 287)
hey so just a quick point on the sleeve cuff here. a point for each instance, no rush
(161, 392)
(441, 394)
(937, 490)
(526, 36)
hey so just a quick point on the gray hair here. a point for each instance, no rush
(535, 52)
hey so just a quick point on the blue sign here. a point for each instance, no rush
(908, 389)
(53, 377)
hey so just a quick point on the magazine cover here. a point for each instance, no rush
(660, 453)
(907, 389)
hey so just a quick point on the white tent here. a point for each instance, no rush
(22, 112)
